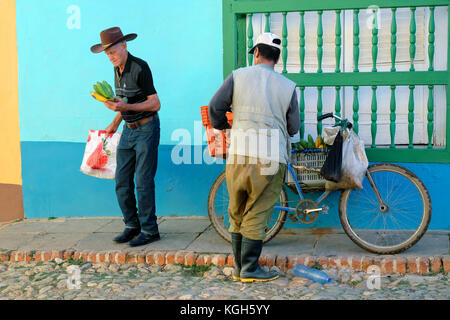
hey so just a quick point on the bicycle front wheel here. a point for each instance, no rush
(218, 210)
(393, 226)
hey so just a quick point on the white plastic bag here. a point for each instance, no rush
(330, 133)
(354, 164)
(100, 154)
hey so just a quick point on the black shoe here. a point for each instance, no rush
(127, 235)
(144, 238)
(236, 239)
(250, 268)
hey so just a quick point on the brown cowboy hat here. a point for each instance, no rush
(110, 37)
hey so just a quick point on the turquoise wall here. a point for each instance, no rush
(180, 40)
(182, 43)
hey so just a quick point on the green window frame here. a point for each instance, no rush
(236, 41)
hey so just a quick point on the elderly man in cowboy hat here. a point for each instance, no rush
(137, 153)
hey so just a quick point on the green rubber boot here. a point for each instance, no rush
(236, 239)
(250, 268)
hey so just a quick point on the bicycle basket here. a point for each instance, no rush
(308, 179)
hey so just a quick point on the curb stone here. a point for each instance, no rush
(387, 264)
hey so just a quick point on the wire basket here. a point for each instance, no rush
(307, 165)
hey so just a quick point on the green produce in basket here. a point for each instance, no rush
(311, 142)
(304, 144)
(298, 146)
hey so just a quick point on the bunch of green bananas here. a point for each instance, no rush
(103, 92)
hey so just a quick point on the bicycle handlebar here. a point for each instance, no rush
(324, 116)
(331, 115)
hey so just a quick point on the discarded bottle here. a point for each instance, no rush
(315, 275)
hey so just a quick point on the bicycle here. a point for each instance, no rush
(393, 207)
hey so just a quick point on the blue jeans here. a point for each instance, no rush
(138, 153)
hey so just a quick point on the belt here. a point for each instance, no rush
(139, 123)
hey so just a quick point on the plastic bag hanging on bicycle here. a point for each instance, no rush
(354, 164)
(346, 164)
(331, 169)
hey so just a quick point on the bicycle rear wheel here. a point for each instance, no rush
(395, 226)
(218, 211)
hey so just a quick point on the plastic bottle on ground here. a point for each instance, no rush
(315, 275)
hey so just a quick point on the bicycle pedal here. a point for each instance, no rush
(325, 209)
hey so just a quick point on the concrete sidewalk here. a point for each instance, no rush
(194, 235)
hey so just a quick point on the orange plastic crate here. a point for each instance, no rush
(218, 142)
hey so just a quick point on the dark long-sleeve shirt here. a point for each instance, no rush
(222, 100)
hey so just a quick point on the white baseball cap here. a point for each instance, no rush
(271, 39)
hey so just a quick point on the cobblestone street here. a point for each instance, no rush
(48, 280)
(192, 262)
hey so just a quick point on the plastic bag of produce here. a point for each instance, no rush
(354, 164)
(100, 154)
(330, 133)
